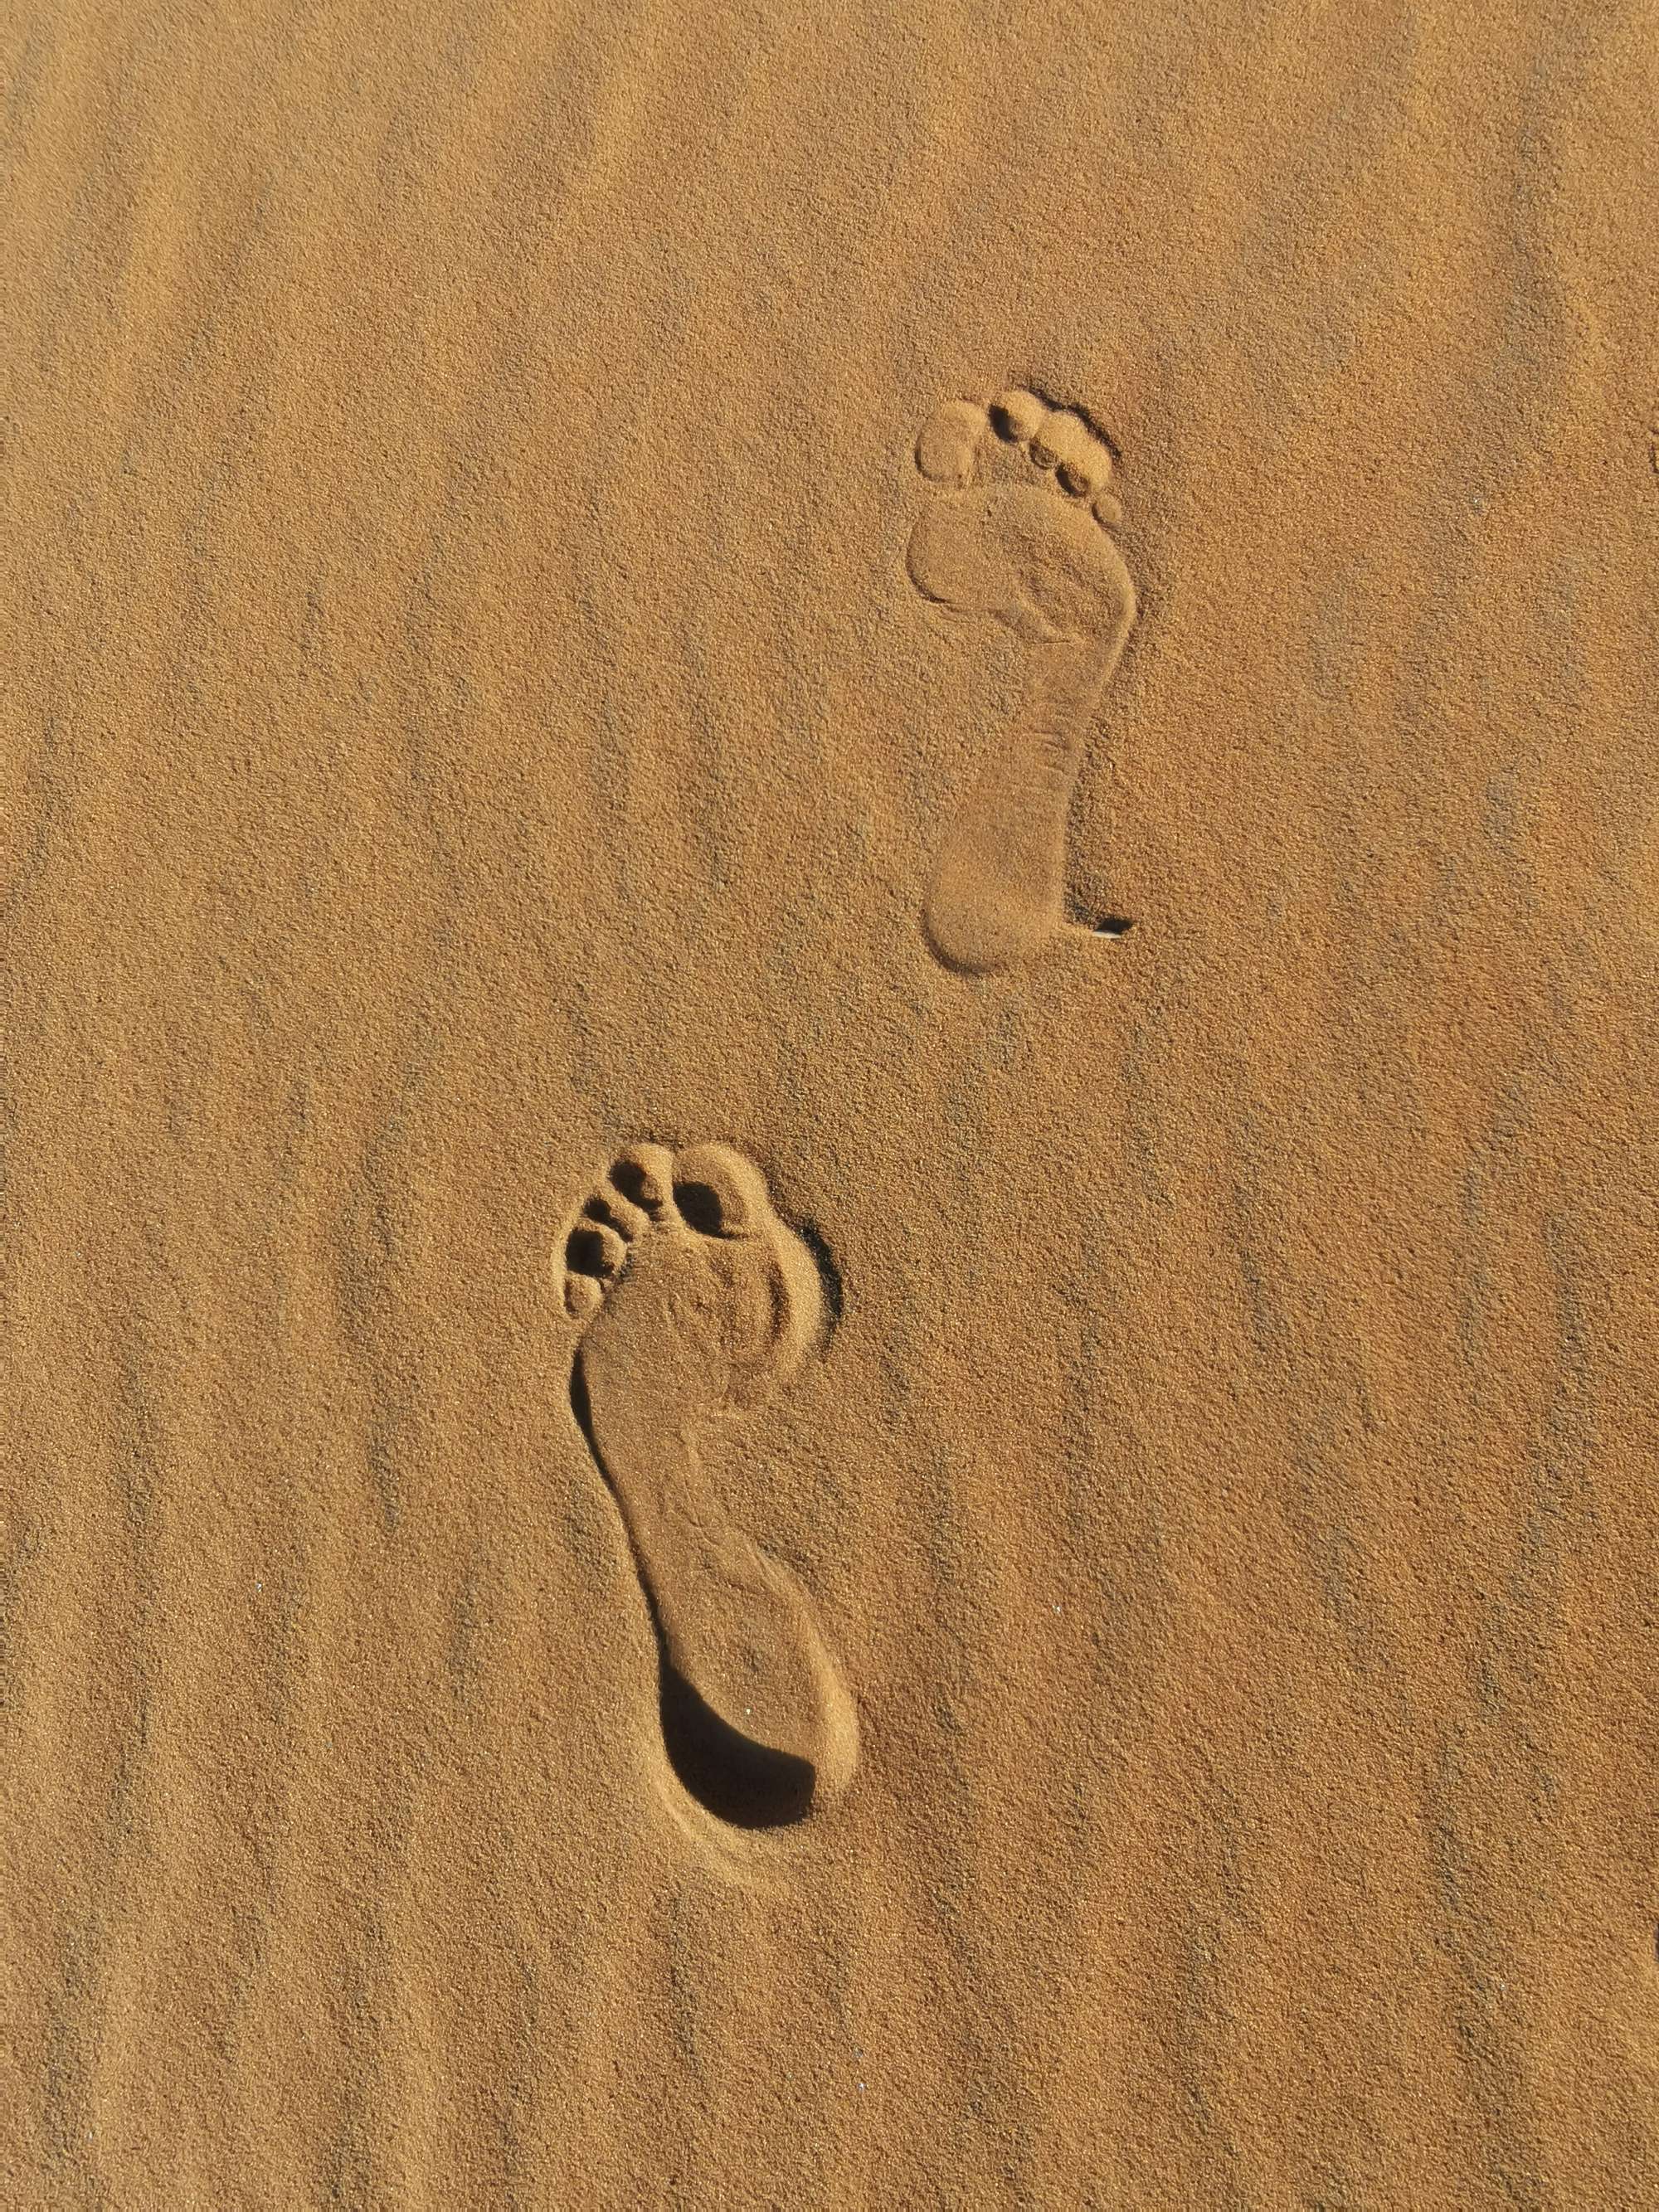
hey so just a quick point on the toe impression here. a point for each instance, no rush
(719, 1191)
(1067, 444)
(594, 1250)
(644, 1174)
(1018, 415)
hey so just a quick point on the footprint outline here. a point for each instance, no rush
(695, 1303)
(1016, 529)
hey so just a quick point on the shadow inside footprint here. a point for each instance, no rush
(744, 1782)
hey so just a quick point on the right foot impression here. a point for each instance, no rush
(1018, 535)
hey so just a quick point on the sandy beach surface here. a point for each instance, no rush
(828, 871)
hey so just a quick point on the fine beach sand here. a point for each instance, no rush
(708, 1497)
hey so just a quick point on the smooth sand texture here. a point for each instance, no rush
(467, 711)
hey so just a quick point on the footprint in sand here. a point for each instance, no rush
(1018, 533)
(696, 1302)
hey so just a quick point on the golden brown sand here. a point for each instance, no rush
(1159, 1688)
